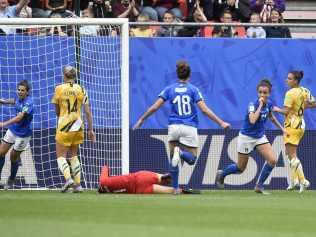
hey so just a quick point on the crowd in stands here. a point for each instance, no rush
(169, 11)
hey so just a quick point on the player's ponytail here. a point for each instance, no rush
(183, 70)
(298, 75)
(266, 83)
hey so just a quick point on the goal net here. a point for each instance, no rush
(37, 52)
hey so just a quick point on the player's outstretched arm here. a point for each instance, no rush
(152, 109)
(16, 119)
(88, 113)
(276, 122)
(211, 115)
(283, 111)
(310, 105)
(7, 102)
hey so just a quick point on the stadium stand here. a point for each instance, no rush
(301, 11)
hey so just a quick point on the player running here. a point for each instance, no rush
(69, 97)
(19, 129)
(296, 99)
(252, 136)
(183, 120)
(141, 182)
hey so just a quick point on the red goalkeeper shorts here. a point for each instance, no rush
(144, 181)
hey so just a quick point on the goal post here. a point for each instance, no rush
(37, 53)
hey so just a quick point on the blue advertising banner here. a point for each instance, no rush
(226, 71)
(218, 148)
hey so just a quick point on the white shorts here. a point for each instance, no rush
(246, 144)
(184, 134)
(19, 143)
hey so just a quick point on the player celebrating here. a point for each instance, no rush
(296, 100)
(183, 120)
(252, 136)
(69, 97)
(19, 129)
(141, 182)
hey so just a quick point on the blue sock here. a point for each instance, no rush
(264, 174)
(14, 169)
(174, 171)
(231, 169)
(2, 160)
(188, 157)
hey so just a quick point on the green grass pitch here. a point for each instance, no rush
(213, 213)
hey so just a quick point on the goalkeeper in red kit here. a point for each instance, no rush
(141, 182)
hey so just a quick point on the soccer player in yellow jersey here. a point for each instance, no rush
(69, 98)
(297, 98)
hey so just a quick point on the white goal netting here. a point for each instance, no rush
(37, 53)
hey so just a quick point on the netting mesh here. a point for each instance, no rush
(39, 58)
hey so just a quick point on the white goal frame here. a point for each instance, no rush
(124, 38)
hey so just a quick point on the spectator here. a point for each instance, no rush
(56, 6)
(264, 7)
(88, 30)
(126, 9)
(225, 31)
(255, 31)
(37, 9)
(207, 5)
(156, 8)
(7, 11)
(57, 30)
(142, 31)
(240, 9)
(277, 31)
(171, 31)
(199, 17)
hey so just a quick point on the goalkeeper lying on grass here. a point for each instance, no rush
(141, 182)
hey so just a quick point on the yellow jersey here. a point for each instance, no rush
(295, 100)
(70, 97)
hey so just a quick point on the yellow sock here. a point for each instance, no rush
(64, 167)
(75, 167)
(293, 174)
(299, 171)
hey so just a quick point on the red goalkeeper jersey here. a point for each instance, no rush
(140, 182)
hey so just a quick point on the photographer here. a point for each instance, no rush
(101, 8)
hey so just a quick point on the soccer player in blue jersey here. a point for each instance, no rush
(252, 136)
(19, 129)
(183, 120)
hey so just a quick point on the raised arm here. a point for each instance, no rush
(7, 101)
(309, 105)
(88, 113)
(211, 115)
(254, 115)
(20, 5)
(152, 109)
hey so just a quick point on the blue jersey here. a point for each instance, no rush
(23, 128)
(257, 129)
(182, 98)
